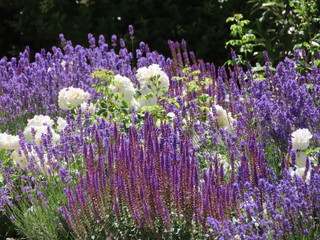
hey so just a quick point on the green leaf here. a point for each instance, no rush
(103, 105)
(101, 112)
(248, 37)
(269, 4)
(317, 63)
(125, 103)
(102, 74)
(312, 150)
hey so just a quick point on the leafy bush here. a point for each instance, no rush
(280, 27)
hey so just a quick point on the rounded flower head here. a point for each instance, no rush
(8, 141)
(147, 102)
(301, 138)
(40, 120)
(171, 115)
(146, 74)
(301, 159)
(61, 123)
(72, 96)
(135, 104)
(123, 85)
(85, 107)
(224, 119)
(19, 159)
(38, 131)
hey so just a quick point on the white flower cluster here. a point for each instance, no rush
(85, 107)
(125, 86)
(72, 96)
(145, 74)
(61, 124)
(8, 142)
(36, 127)
(21, 160)
(151, 78)
(224, 119)
(40, 120)
(300, 141)
(39, 125)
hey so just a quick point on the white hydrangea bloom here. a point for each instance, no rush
(148, 102)
(87, 107)
(55, 137)
(9, 142)
(301, 159)
(171, 115)
(40, 120)
(62, 123)
(301, 138)
(39, 130)
(21, 160)
(224, 119)
(134, 103)
(144, 75)
(72, 96)
(123, 85)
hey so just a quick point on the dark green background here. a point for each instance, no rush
(38, 23)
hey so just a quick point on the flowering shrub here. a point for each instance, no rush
(165, 149)
(72, 96)
(8, 141)
(301, 138)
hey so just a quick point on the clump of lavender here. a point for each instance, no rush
(146, 184)
(288, 210)
(151, 187)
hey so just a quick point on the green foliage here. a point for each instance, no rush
(115, 106)
(7, 228)
(41, 219)
(104, 75)
(244, 41)
(306, 29)
(112, 104)
(276, 26)
(282, 26)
